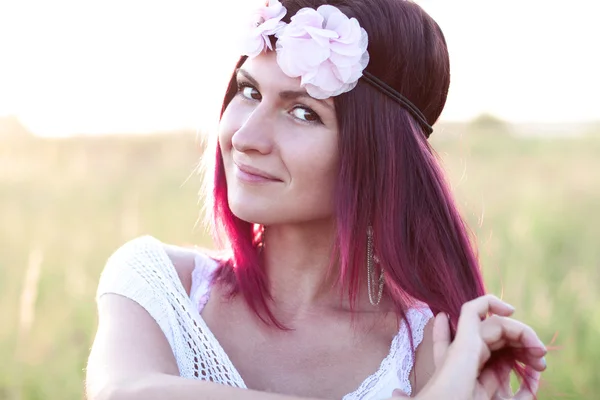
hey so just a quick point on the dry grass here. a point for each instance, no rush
(65, 205)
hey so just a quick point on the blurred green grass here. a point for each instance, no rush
(67, 204)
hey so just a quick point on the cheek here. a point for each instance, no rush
(319, 166)
(314, 167)
(314, 154)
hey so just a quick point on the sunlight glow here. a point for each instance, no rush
(136, 66)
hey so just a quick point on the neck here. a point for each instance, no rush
(301, 276)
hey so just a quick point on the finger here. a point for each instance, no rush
(498, 332)
(441, 338)
(532, 377)
(494, 379)
(534, 361)
(468, 330)
(472, 312)
(505, 389)
(533, 357)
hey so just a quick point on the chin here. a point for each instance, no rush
(255, 212)
(268, 207)
(274, 214)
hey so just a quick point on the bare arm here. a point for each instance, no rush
(131, 359)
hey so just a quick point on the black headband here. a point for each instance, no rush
(398, 98)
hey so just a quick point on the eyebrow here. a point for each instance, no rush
(285, 94)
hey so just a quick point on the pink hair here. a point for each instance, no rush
(389, 178)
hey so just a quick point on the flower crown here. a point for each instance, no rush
(323, 47)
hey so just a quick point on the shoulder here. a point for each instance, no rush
(413, 346)
(184, 262)
(423, 367)
(147, 261)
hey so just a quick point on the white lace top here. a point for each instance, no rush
(142, 271)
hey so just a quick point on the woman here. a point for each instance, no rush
(342, 237)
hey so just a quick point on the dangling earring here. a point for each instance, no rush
(371, 261)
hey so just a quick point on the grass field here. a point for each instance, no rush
(66, 204)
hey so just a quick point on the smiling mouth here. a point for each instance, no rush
(253, 175)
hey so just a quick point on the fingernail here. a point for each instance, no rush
(544, 362)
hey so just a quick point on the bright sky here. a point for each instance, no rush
(73, 66)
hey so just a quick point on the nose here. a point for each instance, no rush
(255, 134)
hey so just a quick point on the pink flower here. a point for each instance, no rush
(325, 48)
(265, 22)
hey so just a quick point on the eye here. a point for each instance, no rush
(305, 114)
(249, 91)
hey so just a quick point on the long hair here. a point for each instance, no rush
(389, 177)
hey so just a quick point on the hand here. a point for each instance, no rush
(461, 373)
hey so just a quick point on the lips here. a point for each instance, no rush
(251, 172)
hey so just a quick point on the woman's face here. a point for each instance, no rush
(279, 147)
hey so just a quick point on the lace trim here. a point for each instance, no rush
(143, 271)
(398, 362)
(400, 357)
(218, 362)
(418, 320)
